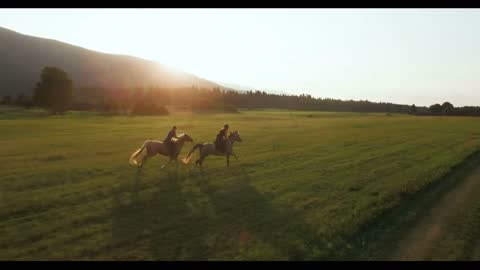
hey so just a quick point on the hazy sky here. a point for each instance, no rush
(404, 56)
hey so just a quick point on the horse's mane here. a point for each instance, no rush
(179, 136)
(231, 134)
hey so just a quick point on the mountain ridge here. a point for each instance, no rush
(23, 56)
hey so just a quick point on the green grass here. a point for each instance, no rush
(303, 186)
(470, 235)
(456, 241)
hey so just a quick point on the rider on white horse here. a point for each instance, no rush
(221, 138)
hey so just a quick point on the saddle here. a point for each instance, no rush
(220, 147)
(171, 145)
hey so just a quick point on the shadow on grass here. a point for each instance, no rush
(196, 218)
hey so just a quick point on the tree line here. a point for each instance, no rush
(55, 92)
(448, 109)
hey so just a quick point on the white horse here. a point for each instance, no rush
(209, 149)
(157, 147)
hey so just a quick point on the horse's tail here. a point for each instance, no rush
(186, 159)
(133, 160)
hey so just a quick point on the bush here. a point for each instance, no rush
(206, 105)
(202, 105)
(149, 108)
(23, 101)
(83, 106)
(230, 108)
(107, 106)
(7, 100)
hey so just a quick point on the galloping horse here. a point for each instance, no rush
(157, 147)
(209, 149)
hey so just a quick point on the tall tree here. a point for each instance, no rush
(447, 107)
(413, 109)
(54, 91)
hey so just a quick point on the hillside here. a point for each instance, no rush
(22, 57)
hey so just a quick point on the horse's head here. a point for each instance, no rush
(235, 136)
(185, 137)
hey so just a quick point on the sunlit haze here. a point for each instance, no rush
(403, 56)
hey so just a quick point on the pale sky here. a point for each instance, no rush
(406, 56)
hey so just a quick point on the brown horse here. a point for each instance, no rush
(154, 147)
(209, 149)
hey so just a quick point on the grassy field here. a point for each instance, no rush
(303, 186)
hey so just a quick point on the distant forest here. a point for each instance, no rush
(154, 100)
(221, 99)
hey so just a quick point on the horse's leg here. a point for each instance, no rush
(144, 158)
(228, 160)
(233, 154)
(140, 165)
(170, 160)
(200, 160)
(142, 161)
